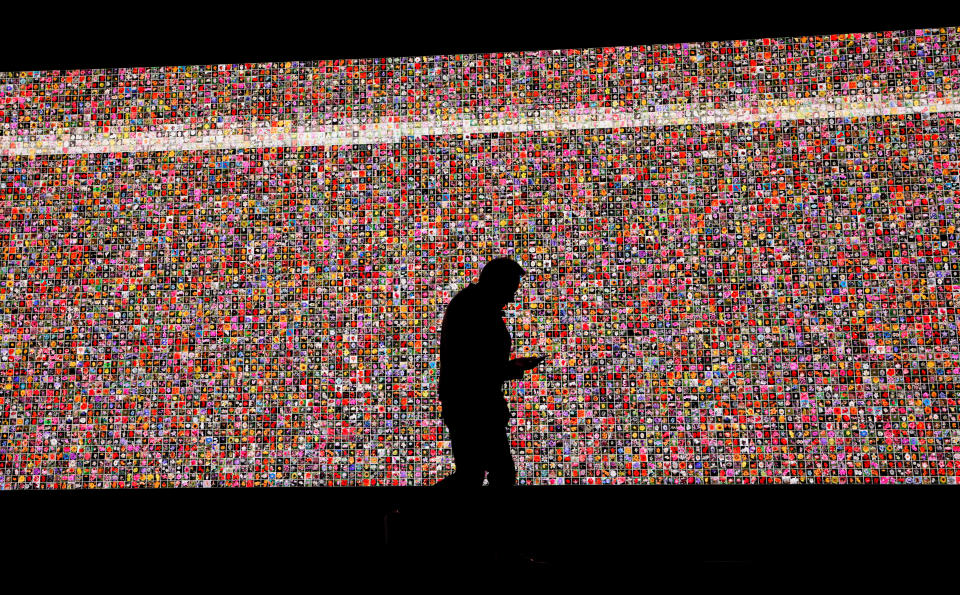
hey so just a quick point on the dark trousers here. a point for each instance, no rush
(481, 446)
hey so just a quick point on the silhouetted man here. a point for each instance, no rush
(474, 362)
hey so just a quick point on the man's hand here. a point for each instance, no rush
(529, 363)
(517, 366)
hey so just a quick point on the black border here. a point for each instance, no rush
(773, 532)
(135, 36)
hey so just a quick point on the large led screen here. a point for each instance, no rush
(741, 260)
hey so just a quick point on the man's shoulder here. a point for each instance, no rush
(466, 297)
(465, 308)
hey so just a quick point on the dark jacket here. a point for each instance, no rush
(474, 350)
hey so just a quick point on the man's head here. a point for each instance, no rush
(500, 279)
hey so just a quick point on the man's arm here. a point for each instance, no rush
(517, 366)
(468, 363)
(483, 352)
(473, 356)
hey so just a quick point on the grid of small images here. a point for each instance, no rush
(741, 256)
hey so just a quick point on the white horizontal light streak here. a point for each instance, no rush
(193, 137)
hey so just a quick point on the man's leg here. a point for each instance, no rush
(502, 471)
(467, 456)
